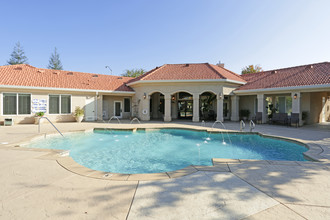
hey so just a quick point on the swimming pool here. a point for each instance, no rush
(163, 150)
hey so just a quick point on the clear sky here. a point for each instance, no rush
(90, 35)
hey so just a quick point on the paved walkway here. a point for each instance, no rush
(35, 186)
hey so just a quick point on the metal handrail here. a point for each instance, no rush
(252, 125)
(242, 125)
(50, 123)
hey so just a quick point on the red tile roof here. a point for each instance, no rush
(312, 74)
(26, 75)
(197, 71)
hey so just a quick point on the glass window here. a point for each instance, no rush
(284, 104)
(54, 104)
(9, 103)
(59, 104)
(65, 104)
(288, 104)
(281, 104)
(24, 104)
(127, 105)
(12, 107)
(185, 96)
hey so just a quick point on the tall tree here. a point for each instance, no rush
(133, 72)
(17, 56)
(251, 69)
(54, 61)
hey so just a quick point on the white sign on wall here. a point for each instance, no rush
(39, 105)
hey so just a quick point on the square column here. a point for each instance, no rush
(234, 108)
(296, 105)
(262, 107)
(167, 115)
(195, 107)
(145, 108)
(99, 107)
(220, 107)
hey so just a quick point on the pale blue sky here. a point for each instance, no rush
(144, 34)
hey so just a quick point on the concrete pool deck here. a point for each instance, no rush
(35, 186)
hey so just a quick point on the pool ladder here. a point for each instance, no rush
(252, 125)
(242, 125)
(50, 123)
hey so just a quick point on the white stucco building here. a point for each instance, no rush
(171, 92)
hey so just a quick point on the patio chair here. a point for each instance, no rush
(259, 118)
(295, 119)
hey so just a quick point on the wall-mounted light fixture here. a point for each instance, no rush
(220, 95)
(144, 96)
(295, 96)
(173, 98)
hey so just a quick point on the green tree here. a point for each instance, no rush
(251, 69)
(17, 56)
(133, 72)
(54, 61)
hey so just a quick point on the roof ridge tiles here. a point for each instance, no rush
(287, 68)
(212, 68)
(153, 71)
(235, 74)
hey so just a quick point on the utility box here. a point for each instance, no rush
(8, 122)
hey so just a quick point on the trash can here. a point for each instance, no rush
(8, 122)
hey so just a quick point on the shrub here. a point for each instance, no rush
(39, 114)
(79, 112)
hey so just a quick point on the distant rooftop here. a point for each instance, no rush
(27, 75)
(311, 74)
(194, 71)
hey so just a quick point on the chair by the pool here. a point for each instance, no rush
(259, 118)
(295, 119)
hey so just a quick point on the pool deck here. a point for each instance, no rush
(35, 186)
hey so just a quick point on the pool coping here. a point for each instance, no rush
(219, 164)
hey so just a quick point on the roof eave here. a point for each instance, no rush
(186, 81)
(66, 89)
(282, 89)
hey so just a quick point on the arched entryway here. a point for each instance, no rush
(182, 105)
(157, 106)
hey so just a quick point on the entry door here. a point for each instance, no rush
(90, 108)
(118, 109)
(185, 109)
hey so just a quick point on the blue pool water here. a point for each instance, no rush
(162, 150)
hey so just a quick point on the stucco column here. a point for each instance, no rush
(220, 107)
(262, 107)
(296, 105)
(167, 116)
(145, 112)
(196, 107)
(234, 108)
(99, 113)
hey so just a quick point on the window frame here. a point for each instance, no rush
(17, 104)
(60, 100)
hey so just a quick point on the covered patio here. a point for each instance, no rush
(296, 107)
